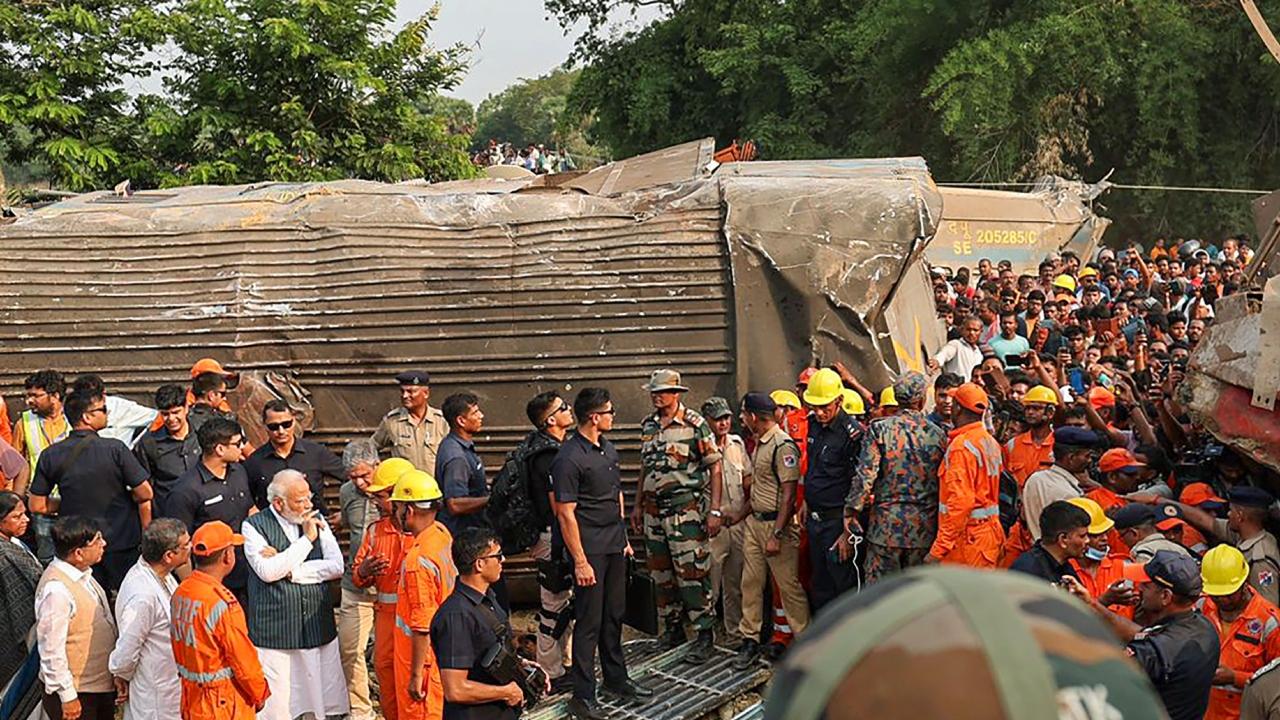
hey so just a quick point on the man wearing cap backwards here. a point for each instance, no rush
(726, 547)
(835, 442)
(770, 539)
(414, 430)
(427, 578)
(1178, 648)
(1136, 525)
(1247, 627)
(291, 554)
(217, 662)
(679, 460)
(969, 531)
(897, 477)
(377, 564)
(1245, 527)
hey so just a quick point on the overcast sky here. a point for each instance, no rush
(510, 39)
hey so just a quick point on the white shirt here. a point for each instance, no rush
(143, 654)
(293, 563)
(959, 357)
(126, 420)
(1043, 487)
(54, 609)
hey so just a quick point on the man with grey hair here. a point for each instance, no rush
(142, 659)
(356, 512)
(292, 553)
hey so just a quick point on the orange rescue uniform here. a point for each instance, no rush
(383, 539)
(1107, 500)
(1023, 455)
(427, 579)
(969, 531)
(217, 663)
(1247, 644)
(1109, 572)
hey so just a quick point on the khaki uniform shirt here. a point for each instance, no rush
(1261, 700)
(398, 436)
(733, 468)
(1146, 548)
(776, 460)
(1263, 555)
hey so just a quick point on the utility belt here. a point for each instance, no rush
(765, 516)
(824, 514)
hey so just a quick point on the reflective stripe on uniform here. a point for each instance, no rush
(984, 513)
(427, 564)
(403, 627)
(205, 678)
(387, 598)
(942, 508)
(211, 621)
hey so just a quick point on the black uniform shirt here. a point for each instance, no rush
(309, 458)
(201, 496)
(461, 633)
(1180, 656)
(1038, 562)
(833, 456)
(460, 473)
(588, 474)
(165, 459)
(95, 477)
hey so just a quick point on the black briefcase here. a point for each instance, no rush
(642, 600)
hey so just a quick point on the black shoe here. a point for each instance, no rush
(670, 640)
(562, 684)
(774, 651)
(748, 654)
(630, 689)
(702, 650)
(586, 709)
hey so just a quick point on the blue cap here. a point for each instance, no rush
(758, 402)
(1178, 572)
(1249, 496)
(418, 378)
(1076, 437)
(1133, 515)
(1130, 272)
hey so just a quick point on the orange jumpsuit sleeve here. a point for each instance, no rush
(365, 549)
(241, 656)
(423, 598)
(955, 497)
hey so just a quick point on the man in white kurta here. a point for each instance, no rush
(143, 655)
(287, 545)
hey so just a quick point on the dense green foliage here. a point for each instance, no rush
(533, 111)
(1163, 91)
(254, 90)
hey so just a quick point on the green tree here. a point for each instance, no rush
(533, 112)
(63, 106)
(1164, 91)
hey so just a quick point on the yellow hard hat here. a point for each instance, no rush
(824, 387)
(1066, 282)
(1088, 272)
(388, 472)
(416, 486)
(1223, 570)
(887, 398)
(785, 398)
(1098, 520)
(1040, 394)
(852, 402)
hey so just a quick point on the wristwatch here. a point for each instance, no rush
(717, 513)
(777, 533)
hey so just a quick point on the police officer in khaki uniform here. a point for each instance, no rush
(770, 537)
(1245, 528)
(1261, 699)
(414, 430)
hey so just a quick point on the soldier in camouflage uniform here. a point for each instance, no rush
(680, 475)
(898, 474)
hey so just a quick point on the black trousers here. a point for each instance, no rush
(93, 706)
(597, 614)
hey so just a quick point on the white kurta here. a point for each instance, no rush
(143, 654)
(309, 680)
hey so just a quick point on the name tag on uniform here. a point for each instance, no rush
(213, 500)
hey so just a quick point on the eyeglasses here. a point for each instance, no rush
(564, 407)
(282, 425)
(101, 409)
(36, 395)
(497, 555)
(604, 412)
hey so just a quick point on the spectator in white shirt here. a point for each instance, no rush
(962, 355)
(74, 627)
(143, 656)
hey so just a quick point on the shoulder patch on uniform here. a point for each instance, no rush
(1254, 626)
(790, 460)
(392, 412)
(1266, 578)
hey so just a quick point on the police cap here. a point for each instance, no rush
(1133, 515)
(1249, 496)
(1076, 437)
(758, 402)
(416, 378)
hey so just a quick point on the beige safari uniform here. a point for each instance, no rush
(1261, 700)
(776, 461)
(398, 436)
(726, 547)
(1263, 554)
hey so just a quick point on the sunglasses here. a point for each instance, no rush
(604, 412)
(564, 407)
(501, 557)
(283, 425)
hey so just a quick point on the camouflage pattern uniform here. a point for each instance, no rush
(897, 474)
(676, 462)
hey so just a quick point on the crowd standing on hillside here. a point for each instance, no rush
(150, 558)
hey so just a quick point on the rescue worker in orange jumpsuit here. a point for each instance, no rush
(1025, 454)
(378, 561)
(1103, 564)
(969, 531)
(426, 580)
(217, 663)
(1247, 626)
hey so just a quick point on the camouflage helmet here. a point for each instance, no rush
(958, 643)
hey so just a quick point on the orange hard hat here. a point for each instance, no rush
(1100, 397)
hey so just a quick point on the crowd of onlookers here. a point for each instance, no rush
(536, 158)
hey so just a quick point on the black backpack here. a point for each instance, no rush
(511, 510)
